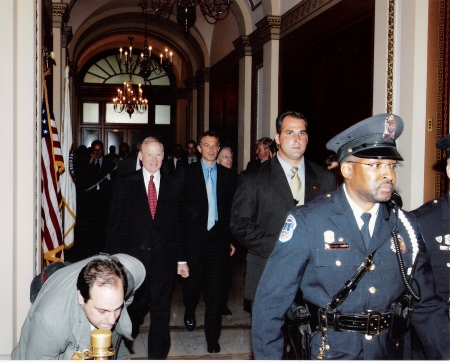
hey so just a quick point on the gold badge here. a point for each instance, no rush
(401, 244)
(447, 239)
(389, 127)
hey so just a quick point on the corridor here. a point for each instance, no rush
(235, 340)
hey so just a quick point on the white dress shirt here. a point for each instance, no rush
(156, 180)
(357, 211)
(287, 171)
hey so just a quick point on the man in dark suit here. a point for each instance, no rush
(191, 152)
(95, 181)
(178, 161)
(263, 198)
(144, 223)
(208, 194)
(356, 228)
(263, 154)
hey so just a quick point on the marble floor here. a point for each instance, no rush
(235, 340)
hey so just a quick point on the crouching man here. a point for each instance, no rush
(84, 296)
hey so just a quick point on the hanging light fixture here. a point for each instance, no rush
(149, 65)
(127, 100)
(212, 10)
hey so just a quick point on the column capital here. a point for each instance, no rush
(66, 36)
(59, 14)
(267, 29)
(190, 83)
(202, 75)
(242, 46)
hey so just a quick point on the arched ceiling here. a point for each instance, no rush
(104, 24)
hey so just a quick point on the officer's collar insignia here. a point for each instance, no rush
(438, 239)
(447, 239)
(389, 127)
(401, 244)
(288, 229)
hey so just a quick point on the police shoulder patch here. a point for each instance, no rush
(288, 229)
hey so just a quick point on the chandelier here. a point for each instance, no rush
(212, 10)
(127, 100)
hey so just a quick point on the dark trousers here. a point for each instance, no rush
(227, 281)
(206, 276)
(155, 296)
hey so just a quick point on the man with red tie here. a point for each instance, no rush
(144, 223)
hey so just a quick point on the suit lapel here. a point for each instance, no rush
(80, 328)
(311, 183)
(279, 181)
(445, 211)
(164, 191)
(141, 192)
(382, 230)
(344, 219)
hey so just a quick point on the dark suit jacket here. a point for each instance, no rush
(127, 165)
(260, 205)
(131, 229)
(254, 165)
(181, 165)
(195, 210)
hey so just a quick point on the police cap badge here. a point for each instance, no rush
(372, 138)
(444, 144)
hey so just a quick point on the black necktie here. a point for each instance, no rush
(365, 228)
(97, 168)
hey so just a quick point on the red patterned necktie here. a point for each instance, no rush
(152, 200)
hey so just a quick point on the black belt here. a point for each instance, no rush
(371, 323)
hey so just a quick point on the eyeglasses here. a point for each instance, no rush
(379, 166)
(226, 156)
(208, 146)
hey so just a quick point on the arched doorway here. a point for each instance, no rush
(98, 82)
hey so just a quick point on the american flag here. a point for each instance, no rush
(52, 165)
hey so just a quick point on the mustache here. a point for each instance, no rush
(387, 182)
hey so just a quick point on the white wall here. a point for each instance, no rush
(18, 172)
(409, 87)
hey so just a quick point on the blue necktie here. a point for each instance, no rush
(211, 202)
(365, 228)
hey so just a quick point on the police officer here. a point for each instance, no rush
(322, 245)
(434, 223)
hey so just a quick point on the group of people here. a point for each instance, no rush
(350, 254)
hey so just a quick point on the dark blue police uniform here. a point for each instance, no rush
(434, 224)
(320, 248)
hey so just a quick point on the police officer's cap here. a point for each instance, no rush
(372, 138)
(444, 144)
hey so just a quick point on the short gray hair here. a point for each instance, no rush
(150, 139)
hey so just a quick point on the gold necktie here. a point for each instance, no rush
(296, 187)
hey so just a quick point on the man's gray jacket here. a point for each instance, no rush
(56, 326)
